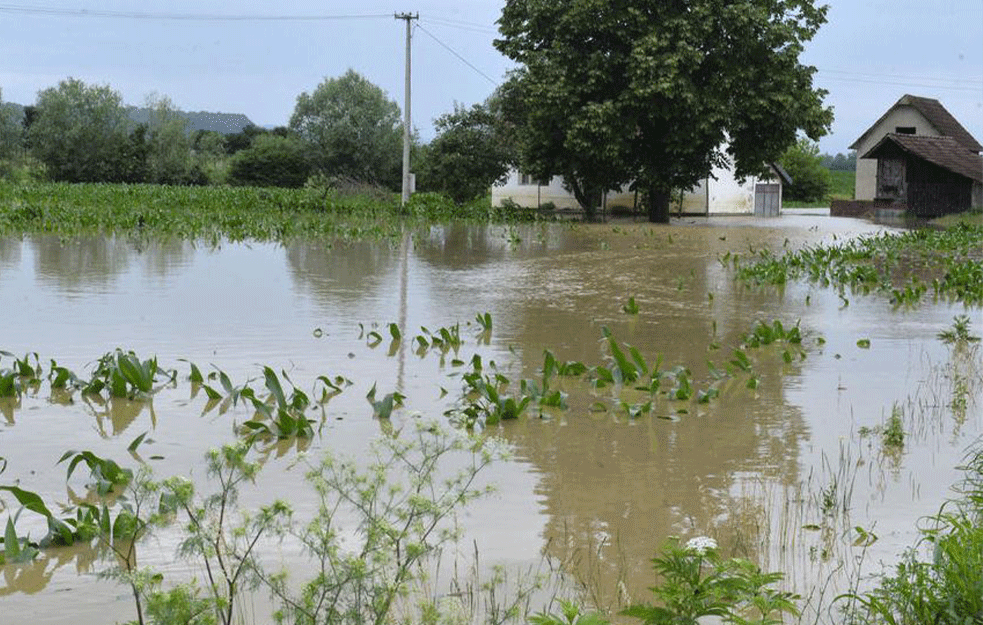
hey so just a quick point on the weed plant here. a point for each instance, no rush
(940, 580)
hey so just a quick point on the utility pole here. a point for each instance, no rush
(407, 17)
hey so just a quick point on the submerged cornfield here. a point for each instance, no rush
(242, 403)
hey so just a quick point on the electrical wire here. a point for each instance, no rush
(977, 89)
(469, 26)
(190, 17)
(951, 79)
(461, 58)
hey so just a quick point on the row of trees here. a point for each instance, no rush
(347, 129)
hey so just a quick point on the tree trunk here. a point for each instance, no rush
(584, 197)
(658, 205)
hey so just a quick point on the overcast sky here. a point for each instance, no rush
(869, 54)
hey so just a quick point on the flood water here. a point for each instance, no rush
(600, 491)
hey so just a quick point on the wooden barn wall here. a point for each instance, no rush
(934, 191)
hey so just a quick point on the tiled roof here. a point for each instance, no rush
(937, 115)
(945, 152)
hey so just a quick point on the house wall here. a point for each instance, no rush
(866, 176)
(726, 195)
(532, 195)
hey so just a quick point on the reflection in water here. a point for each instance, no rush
(118, 412)
(10, 254)
(92, 263)
(605, 484)
(79, 265)
(340, 276)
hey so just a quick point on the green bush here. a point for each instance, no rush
(810, 180)
(271, 161)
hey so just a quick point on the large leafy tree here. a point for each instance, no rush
(468, 155)
(353, 129)
(10, 129)
(657, 92)
(168, 142)
(81, 133)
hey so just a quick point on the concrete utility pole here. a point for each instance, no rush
(407, 17)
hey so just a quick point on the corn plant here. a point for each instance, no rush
(280, 415)
(123, 374)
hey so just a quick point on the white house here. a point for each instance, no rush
(718, 194)
(910, 115)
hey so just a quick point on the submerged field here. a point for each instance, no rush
(773, 384)
(213, 214)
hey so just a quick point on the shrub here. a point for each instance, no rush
(271, 161)
(810, 180)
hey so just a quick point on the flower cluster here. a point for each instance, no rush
(700, 545)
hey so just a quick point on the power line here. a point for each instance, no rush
(978, 89)
(461, 58)
(470, 26)
(190, 17)
(903, 77)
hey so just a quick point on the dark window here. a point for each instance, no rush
(905, 130)
(526, 179)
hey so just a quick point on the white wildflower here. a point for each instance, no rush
(700, 545)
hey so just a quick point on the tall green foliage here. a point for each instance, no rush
(352, 128)
(468, 155)
(612, 91)
(168, 143)
(11, 130)
(810, 179)
(81, 133)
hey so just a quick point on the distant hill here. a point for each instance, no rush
(225, 123)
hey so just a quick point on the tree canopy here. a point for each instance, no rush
(10, 130)
(468, 155)
(81, 133)
(168, 143)
(353, 128)
(658, 92)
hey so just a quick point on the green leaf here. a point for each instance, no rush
(11, 544)
(273, 384)
(29, 499)
(136, 442)
(196, 376)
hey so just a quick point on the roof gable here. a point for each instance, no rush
(945, 152)
(936, 114)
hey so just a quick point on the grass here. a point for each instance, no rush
(843, 184)
(972, 217)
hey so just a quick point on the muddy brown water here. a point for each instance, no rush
(597, 491)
